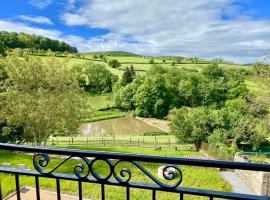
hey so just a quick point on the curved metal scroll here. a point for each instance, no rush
(83, 171)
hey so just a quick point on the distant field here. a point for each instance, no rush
(141, 64)
(99, 101)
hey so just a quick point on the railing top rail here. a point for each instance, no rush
(136, 157)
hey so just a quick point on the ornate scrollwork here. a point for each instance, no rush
(96, 175)
(41, 161)
(122, 175)
(167, 174)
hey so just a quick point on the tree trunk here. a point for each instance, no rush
(198, 145)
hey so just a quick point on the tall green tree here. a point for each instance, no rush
(43, 97)
(152, 98)
(191, 125)
(128, 76)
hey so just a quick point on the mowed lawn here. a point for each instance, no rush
(195, 177)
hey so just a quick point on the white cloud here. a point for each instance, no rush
(20, 27)
(41, 4)
(173, 27)
(37, 19)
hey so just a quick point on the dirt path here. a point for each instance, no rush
(159, 123)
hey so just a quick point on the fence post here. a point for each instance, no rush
(155, 140)
(130, 139)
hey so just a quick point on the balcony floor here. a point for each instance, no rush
(30, 193)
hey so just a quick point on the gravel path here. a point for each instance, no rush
(238, 185)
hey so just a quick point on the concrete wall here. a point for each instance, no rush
(258, 182)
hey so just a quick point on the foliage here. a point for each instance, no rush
(21, 40)
(226, 127)
(114, 63)
(128, 76)
(12, 133)
(2, 49)
(94, 77)
(161, 89)
(191, 125)
(43, 97)
(152, 61)
(178, 60)
(261, 70)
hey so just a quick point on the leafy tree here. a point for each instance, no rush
(95, 56)
(190, 125)
(132, 71)
(212, 71)
(178, 60)
(12, 133)
(151, 98)
(114, 63)
(43, 97)
(128, 76)
(2, 49)
(152, 61)
(225, 128)
(94, 77)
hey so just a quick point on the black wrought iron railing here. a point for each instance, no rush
(85, 171)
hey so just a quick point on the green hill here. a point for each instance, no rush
(116, 53)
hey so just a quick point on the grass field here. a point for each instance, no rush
(99, 101)
(204, 178)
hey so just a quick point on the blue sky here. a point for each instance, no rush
(236, 30)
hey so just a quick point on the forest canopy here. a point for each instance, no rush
(12, 40)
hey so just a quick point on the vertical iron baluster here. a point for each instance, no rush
(153, 194)
(17, 186)
(58, 189)
(37, 188)
(102, 192)
(80, 190)
(1, 197)
(127, 193)
(181, 196)
(211, 198)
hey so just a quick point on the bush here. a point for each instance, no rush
(114, 63)
(152, 61)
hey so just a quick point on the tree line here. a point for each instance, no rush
(12, 40)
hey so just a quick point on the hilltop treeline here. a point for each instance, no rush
(12, 40)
